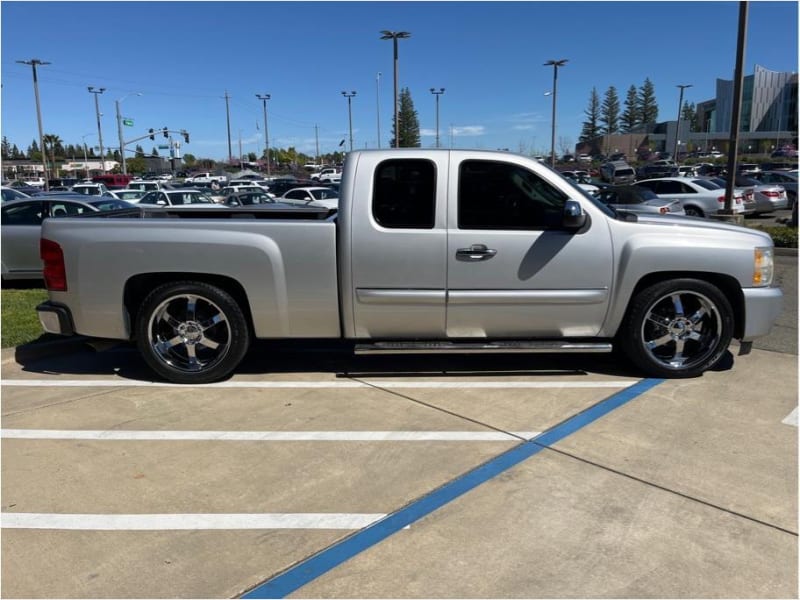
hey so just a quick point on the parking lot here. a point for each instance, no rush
(319, 474)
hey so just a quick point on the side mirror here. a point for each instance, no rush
(573, 218)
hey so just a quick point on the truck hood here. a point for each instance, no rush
(704, 224)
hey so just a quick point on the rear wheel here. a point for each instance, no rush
(693, 211)
(191, 332)
(677, 328)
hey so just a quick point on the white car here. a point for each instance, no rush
(93, 189)
(179, 197)
(699, 197)
(312, 196)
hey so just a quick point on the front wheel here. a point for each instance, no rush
(677, 328)
(191, 332)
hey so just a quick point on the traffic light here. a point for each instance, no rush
(166, 132)
(185, 136)
(152, 137)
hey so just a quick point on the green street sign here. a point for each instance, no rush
(163, 147)
(128, 122)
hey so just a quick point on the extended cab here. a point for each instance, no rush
(206, 178)
(431, 250)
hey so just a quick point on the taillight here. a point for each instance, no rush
(54, 272)
(721, 199)
(663, 210)
(772, 194)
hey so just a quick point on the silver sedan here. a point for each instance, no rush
(638, 200)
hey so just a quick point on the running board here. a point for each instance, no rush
(501, 347)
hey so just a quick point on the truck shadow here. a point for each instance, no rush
(123, 360)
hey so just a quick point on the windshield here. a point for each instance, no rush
(325, 194)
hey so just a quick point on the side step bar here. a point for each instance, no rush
(498, 347)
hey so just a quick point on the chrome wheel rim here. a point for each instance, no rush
(681, 330)
(189, 333)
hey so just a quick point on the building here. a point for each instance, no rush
(768, 121)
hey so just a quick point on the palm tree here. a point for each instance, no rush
(52, 140)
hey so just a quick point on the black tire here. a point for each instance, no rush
(693, 211)
(191, 332)
(678, 328)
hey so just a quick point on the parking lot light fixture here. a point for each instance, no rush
(264, 98)
(97, 92)
(394, 36)
(437, 93)
(555, 64)
(350, 114)
(34, 62)
(678, 124)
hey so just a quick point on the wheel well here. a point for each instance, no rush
(139, 286)
(726, 284)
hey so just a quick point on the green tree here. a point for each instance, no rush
(52, 140)
(409, 123)
(33, 152)
(609, 112)
(138, 152)
(591, 128)
(154, 151)
(630, 116)
(648, 107)
(189, 160)
(5, 148)
(137, 164)
(689, 113)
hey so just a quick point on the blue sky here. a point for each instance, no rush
(183, 56)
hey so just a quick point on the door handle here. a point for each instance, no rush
(475, 253)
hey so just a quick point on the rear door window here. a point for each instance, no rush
(404, 194)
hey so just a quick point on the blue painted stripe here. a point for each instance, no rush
(319, 564)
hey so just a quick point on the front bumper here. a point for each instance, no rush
(762, 307)
(55, 318)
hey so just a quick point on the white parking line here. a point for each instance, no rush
(791, 418)
(158, 522)
(269, 436)
(324, 384)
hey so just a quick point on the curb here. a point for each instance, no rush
(785, 251)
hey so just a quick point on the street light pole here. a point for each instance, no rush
(378, 104)
(394, 36)
(555, 64)
(34, 62)
(437, 94)
(350, 115)
(97, 93)
(678, 126)
(119, 132)
(264, 98)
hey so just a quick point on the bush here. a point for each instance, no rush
(782, 236)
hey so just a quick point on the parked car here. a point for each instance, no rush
(687, 171)
(21, 224)
(786, 179)
(312, 196)
(760, 198)
(130, 195)
(638, 199)
(178, 197)
(279, 187)
(220, 195)
(23, 187)
(699, 197)
(93, 189)
(617, 172)
(248, 198)
(657, 169)
(147, 185)
(12, 194)
(747, 168)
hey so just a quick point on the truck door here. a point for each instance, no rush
(397, 260)
(513, 271)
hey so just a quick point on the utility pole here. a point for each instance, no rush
(350, 114)
(266, 97)
(378, 104)
(97, 93)
(33, 63)
(555, 64)
(437, 94)
(678, 126)
(316, 135)
(228, 115)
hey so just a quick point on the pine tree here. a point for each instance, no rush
(409, 123)
(591, 129)
(5, 149)
(630, 117)
(609, 113)
(648, 107)
(689, 113)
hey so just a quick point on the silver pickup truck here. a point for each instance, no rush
(431, 250)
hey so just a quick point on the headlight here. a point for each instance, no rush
(762, 267)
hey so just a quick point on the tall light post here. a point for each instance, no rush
(119, 131)
(678, 125)
(34, 62)
(437, 94)
(264, 98)
(394, 36)
(378, 104)
(97, 93)
(555, 64)
(350, 114)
